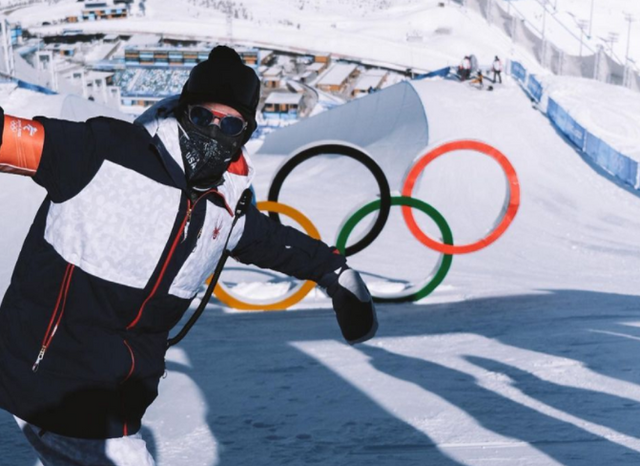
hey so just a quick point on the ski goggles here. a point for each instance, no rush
(204, 117)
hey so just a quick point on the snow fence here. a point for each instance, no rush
(590, 146)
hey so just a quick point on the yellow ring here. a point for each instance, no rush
(299, 292)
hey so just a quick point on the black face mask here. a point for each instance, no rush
(207, 155)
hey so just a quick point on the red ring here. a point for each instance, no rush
(513, 189)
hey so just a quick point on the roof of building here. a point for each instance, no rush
(316, 66)
(368, 80)
(289, 98)
(94, 75)
(273, 72)
(142, 40)
(337, 74)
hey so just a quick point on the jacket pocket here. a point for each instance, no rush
(56, 316)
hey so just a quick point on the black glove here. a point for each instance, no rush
(352, 303)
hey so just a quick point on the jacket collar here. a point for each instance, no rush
(159, 120)
(161, 124)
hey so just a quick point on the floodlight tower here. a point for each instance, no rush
(591, 21)
(582, 25)
(544, 32)
(612, 39)
(7, 47)
(630, 19)
(229, 13)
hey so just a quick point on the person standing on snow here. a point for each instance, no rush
(135, 219)
(497, 69)
(473, 62)
(478, 80)
(465, 68)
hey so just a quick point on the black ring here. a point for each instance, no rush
(360, 156)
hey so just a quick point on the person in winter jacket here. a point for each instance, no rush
(479, 80)
(497, 70)
(464, 70)
(135, 219)
(473, 61)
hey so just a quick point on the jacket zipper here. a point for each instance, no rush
(187, 218)
(181, 233)
(133, 361)
(125, 424)
(56, 317)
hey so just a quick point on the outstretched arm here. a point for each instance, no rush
(21, 146)
(268, 244)
(61, 156)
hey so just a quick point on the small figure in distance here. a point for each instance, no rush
(497, 70)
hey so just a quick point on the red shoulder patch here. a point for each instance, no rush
(239, 167)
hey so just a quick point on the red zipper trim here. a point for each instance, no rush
(133, 361)
(55, 309)
(164, 266)
(125, 428)
(52, 328)
(226, 204)
(172, 250)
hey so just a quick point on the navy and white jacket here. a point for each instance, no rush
(115, 255)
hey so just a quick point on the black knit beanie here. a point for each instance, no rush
(223, 78)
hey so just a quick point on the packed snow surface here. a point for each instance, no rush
(524, 356)
(611, 113)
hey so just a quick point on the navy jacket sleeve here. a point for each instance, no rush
(270, 245)
(70, 157)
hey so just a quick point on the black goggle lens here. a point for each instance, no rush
(229, 125)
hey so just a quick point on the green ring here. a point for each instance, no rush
(447, 238)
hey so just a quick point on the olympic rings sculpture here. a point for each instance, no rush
(294, 295)
(383, 205)
(349, 151)
(512, 201)
(441, 269)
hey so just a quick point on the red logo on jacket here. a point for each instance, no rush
(216, 232)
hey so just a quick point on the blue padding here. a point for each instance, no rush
(567, 125)
(441, 73)
(34, 87)
(518, 71)
(611, 160)
(534, 87)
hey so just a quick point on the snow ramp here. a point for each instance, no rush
(574, 222)
(390, 125)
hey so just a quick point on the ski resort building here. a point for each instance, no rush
(337, 77)
(272, 77)
(368, 83)
(101, 13)
(178, 56)
(322, 58)
(283, 105)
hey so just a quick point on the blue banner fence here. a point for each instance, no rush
(591, 147)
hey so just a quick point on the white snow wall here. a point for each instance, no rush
(621, 166)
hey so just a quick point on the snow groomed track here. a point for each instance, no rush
(525, 355)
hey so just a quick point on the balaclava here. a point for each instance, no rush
(223, 79)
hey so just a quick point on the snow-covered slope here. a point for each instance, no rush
(372, 30)
(562, 24)
(523, 356)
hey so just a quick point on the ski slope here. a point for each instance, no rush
(562, 24)
(524, 356)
